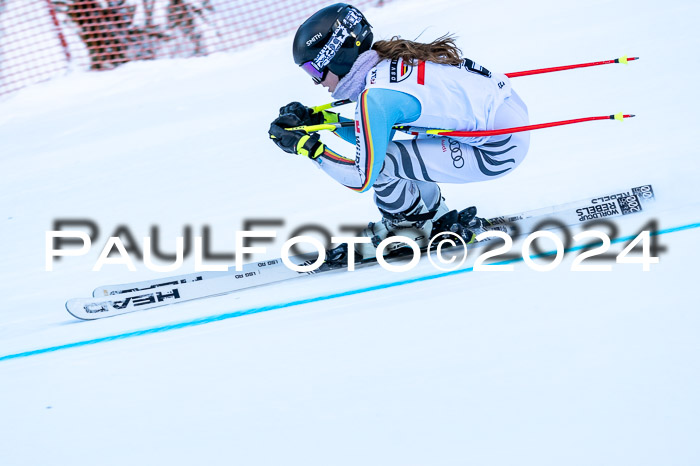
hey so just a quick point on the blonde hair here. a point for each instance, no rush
(442, 50)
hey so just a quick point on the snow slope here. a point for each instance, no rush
(474, 368)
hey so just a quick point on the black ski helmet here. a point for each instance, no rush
(331, 39)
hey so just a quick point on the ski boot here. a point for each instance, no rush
(464, 223)
(415, 223)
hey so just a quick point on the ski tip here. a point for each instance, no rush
(99, 292)
(70, 307)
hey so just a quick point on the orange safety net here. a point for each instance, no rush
(41, 39)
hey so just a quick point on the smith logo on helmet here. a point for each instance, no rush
(313, 39)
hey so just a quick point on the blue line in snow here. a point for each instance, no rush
(257, 310)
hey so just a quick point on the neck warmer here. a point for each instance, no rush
(354, 82)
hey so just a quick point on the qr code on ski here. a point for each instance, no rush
(644, 192)
(629, 204)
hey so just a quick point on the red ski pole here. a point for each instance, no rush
(622, 59)
(516, 129)
(415, 130)
(449, 132)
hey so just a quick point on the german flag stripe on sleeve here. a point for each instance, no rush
(329, 154)
(367, 141)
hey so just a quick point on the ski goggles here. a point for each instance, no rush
(316, 75)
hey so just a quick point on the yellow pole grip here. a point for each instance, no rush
(313, 128)
(321, 108)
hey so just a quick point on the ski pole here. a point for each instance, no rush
(517, 129)
(320, 108)
(337, 103)
(623, 59)
(449, 132)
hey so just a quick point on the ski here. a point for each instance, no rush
(111, 300)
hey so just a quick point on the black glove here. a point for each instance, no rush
(307, 116)
(304, 113)
(295, 142)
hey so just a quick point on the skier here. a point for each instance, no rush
(398, 82)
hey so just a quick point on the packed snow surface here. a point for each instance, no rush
(498, 368)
